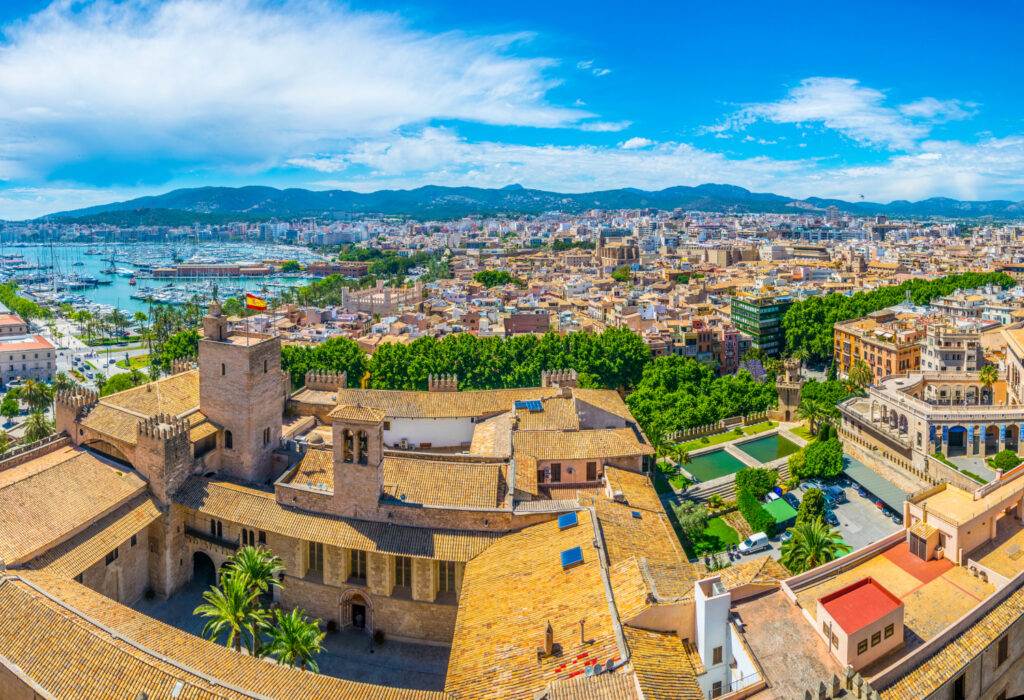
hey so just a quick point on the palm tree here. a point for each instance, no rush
(812, 412)
(231, 608)
(62, 382)
(988, 375)
(37, 426)
(261, 569)
(860, 375)
(813, 544)
(36, 394)
(295, 639)
(679, 454)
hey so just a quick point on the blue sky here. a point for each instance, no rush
(103, 100)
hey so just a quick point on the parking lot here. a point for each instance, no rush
(861, 522)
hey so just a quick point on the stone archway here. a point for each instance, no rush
(1012, 437)
(355, 611)
(990, 440)
(957, 441)
(203, 570)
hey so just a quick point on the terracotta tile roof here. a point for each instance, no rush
(620, 685)
(605, 399)
(51, 504)
(56, 639)
(582, 444)
(441, 404)
(952, 658)
(662, 665)
(446, 484)
(509, 594)
(259, 509)
(493, 437)
(118, 415)
(362, 414)
(526, 475)
(558, 414)
(72, 557)
(315, 467)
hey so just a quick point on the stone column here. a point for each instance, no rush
(424, 584)
(380, 573)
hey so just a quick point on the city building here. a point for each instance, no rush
(760, 316)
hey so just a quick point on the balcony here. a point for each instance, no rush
(207, 538)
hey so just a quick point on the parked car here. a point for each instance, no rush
(829, 501)
(837, 494)
(771, 496)
(862, 492)
(786, 536)
(831, 518)
(845, 481)
(880, 505)
(792, 500)
(758, 542)
(897, 518)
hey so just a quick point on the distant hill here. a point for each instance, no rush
(211, 204)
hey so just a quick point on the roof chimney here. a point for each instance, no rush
(549, 639)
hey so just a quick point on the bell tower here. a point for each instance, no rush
(789, 385)
(242, 389)
(358, 437)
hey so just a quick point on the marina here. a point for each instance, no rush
(101, 279)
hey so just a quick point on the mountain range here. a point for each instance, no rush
(255, 202)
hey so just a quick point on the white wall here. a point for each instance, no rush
(439, 432)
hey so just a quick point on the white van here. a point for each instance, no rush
(755, 543)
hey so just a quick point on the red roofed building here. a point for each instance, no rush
(12, 324)
(861, 623)
(26, 356)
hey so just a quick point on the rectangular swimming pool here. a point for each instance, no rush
(713, 465)
(768, 449)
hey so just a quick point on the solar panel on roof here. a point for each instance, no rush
(572, 557)
(521, 404)
(567, 520)
(534, 405)
(636, 514)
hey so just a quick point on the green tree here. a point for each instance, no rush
(35, 394)
(37, 426)
(295, 639)
(1006, 460)
(693, 518)
(812, 506)
(679, 454)
(290, 266)
(334, 354)
(621, 274)
(860, 375)
(5, 441)
(759, 481)
(62, 382)
(988, 375)
(823, 459)
(123, 381)
(9, 407)
(759, 519)
(812, 412)
(183, 343)
(813, 544)
(232, 610)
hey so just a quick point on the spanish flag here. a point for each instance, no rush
(254, 302)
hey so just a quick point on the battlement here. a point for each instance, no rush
(184, 364)
(559, 378)
(442, 382)
(326, 380)
(76, 398)
(162, 426)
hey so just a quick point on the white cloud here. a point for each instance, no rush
(604, 126)
(585, 65)
(636, 142)
(244, 81)
(854, 110)
(602, 71)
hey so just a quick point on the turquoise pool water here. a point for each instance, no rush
(769, 448)
(713, 465)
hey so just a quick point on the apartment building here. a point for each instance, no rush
(889, 342)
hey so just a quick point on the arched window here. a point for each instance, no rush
(220, 529)
(223, 369)
(228, 442)
(213, 527)
(364, 447)
(347, 447)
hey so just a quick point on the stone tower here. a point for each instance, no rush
(788, 384)
(163, 454)
(71, 406)
(358, 438)
(242, 389)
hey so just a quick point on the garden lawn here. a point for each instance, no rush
(709, 440)
(137, 362)
(803, 431)
(720, 530)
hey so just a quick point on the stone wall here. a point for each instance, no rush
(14, 685)
(25, 453)
(126, 578)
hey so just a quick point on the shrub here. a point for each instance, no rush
(759, 519)
(759, 481)
(1006, 460)
(693, 518)
(796, 463)
(826, 432)
(812, 506)
(823, 459)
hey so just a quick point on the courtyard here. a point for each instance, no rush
(349, 655)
